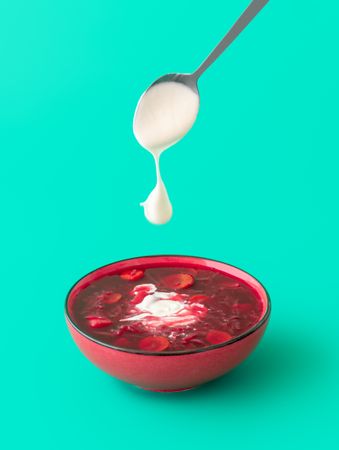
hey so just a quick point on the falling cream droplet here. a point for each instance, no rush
(157, 206)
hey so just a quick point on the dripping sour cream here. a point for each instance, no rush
(164, 114)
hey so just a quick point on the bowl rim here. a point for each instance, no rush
(250, 331)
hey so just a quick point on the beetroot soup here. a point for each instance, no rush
(166, 309)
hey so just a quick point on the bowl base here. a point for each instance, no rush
(168, 390)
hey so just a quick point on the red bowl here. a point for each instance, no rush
(170, 371)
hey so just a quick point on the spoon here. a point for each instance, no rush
(191, 79)
(167, 110)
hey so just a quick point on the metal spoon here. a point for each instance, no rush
(191, 79)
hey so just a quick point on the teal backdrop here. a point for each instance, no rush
(255, 184)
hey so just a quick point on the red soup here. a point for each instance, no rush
(165, 309)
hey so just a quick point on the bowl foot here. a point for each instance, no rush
(168, 390)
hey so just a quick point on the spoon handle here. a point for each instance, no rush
(250, 12)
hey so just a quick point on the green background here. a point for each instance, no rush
(254, 184)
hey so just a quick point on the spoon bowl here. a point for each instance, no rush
(153, 112)
(166, 111)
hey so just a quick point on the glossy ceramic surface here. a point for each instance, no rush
(172, 371)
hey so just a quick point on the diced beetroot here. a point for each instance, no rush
(135, 328)
(198, 309)
(140, 291)
(138, 298)
(114, 297)
(94, 316)
(126, 329)
(103, 295)
(191, 271)
(199, 298)
(189, 337)
(217, 336)
(122, 342)
(154, 343)
(229, 283)
(178, 329)
(179, 281)
(98, 322)
(132, 274)
(146, 287)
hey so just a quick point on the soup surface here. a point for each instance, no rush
(164, 309)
